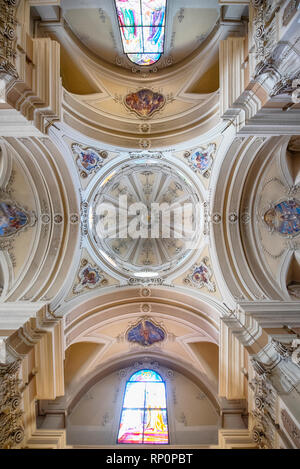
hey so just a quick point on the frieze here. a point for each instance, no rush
(263, 413)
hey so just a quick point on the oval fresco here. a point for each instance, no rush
(12, 219)
(284, 218)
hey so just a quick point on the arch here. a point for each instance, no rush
(137, 361)
(84, 313)
(53, 198)
(235, 239)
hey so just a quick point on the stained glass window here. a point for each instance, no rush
(144, 412)
(142, 27)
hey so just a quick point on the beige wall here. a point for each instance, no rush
(191, 417)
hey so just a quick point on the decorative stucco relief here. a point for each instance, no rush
(8, 25)
(11, 421)
(291, 428)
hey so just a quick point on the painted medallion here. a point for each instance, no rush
(145, 333)
(144, 102)
(284, 218)
(12, 219)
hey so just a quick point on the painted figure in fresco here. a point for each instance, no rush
(284, 218)
(89, 276)
(145, 102)
(12, 219)
(88, 159)
(201, 274)
(201, 277)
(201, 160)
(146, 333)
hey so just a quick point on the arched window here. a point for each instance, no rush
(144, 411)
(142, 28)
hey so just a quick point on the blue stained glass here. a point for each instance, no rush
(142, 29)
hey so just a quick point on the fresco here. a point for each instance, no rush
(201, 160)
(201, 277)
(144, 102)
(145, 333)
(90, 277)
(12, 219)
(284, 218)
(88, 160)
(144, 412)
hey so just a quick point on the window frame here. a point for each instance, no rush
(142, 26)
(144, 408)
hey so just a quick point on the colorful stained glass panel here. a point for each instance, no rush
(156, 427)
(142, 29)
(131, 426)
(135, 395)
(153, 12)
(145, 375)
(144, 414)
(153, 39)
(155, 395)
(132, 39)
(144, 59)
(129, 12)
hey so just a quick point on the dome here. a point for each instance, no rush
(145, 217)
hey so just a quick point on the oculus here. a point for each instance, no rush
(144, 412)
(144, 102)
(88, 159)
(142, 28)
(12, 219)
(145, 333)
(284, 218)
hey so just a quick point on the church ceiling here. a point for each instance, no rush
(185, 28)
